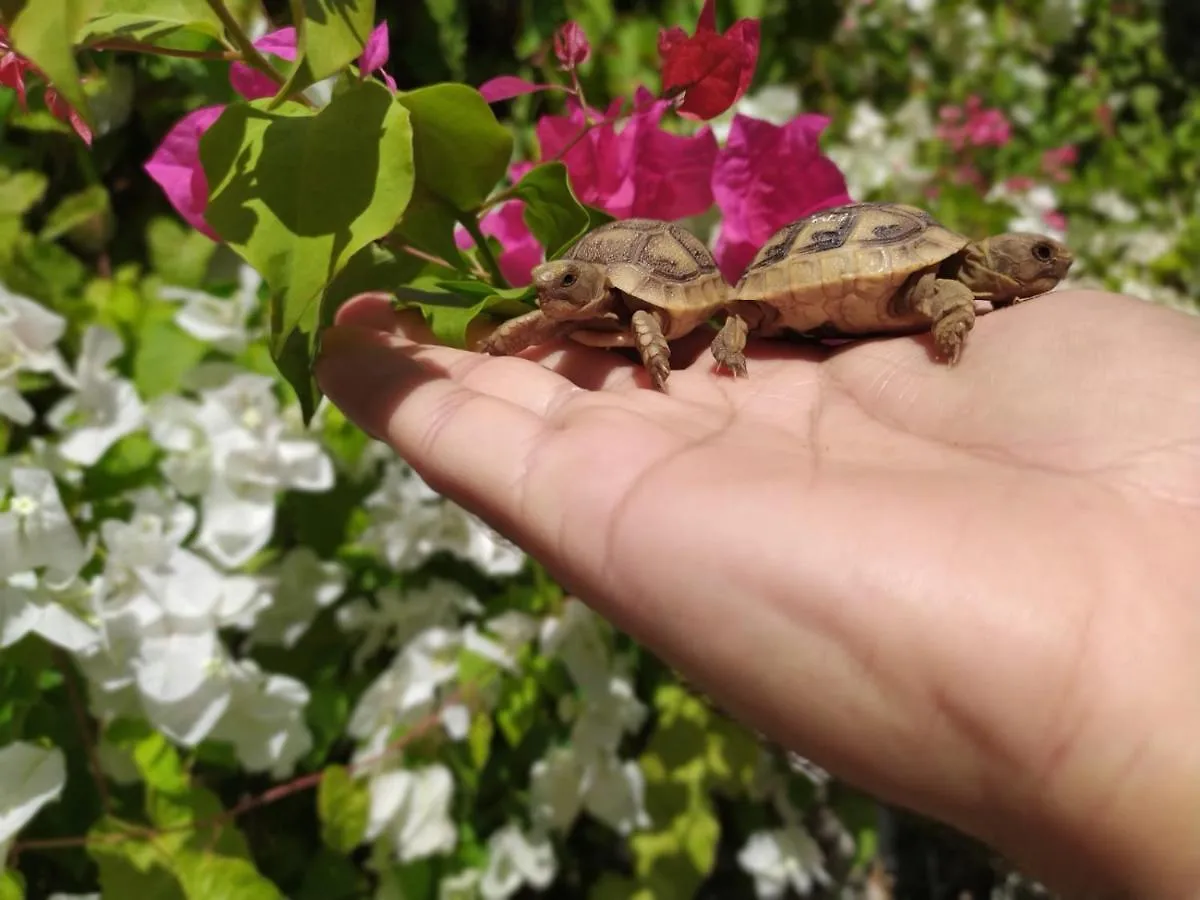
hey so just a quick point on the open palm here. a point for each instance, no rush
(970, 589)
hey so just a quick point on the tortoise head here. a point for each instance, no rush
(1006, 268)
(571, 289)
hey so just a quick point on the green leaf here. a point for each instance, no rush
(297, 195)
(12, 885)
(43, 32)
(76, 210)
(152, 21)
(552, 212)
(19, 191)
(164, 354)
(451, 20)
(342, 804)
(479, 739)
(207, 875)
(518, 708)
(330, 34)
(178, 253)
(461, 152)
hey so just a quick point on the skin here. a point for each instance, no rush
(1002, 269)
(970, 591)
(570, 296)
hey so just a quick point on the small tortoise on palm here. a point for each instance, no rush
(867, 269)
(633, 282)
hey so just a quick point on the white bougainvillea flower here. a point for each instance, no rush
(397, 616)
(265, 720)
(781, 859)
(175, 424)
(300, 587)
(565, 782)
(219, 321)
(35, 530)
(579, 638)
(103, 408)
(513, 629)
(602, 719)
(407, 688)
(514, 860)
(255, 455)
(410, 523)
(413, 807)
(29, 334)
(614, 792)
(30, 777)
(184, 683)
(63, 615)
(462, 885)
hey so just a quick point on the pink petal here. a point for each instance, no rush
(521, 250)
(254, 85)
(175, 165)
(505, 87)
(765, 177)
(708, 16)
(375, 52)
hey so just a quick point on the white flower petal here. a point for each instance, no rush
(30, 777)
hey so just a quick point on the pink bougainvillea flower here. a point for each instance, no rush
(571, 46)
(505, 87)
(710, 70)
(973, 125)
(506, 223)
(254, 85)
(766, 176)
(1058, 162)
(375, 55)
(639, 170)
(176, 167)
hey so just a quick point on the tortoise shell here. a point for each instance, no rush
(657, 264)
(838, 270)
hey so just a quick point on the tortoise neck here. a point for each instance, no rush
(974, 269)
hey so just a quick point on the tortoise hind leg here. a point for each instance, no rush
(652, 346)
(951, 307)
(729, 343)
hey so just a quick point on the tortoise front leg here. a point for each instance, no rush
(652, 346)
(523, 331)
(951, 307)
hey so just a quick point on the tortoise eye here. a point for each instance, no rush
(1042, 252)
(569, 279)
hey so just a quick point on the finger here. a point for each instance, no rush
(538, 386)
(464, 443)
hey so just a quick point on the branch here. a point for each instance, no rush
(470, 223)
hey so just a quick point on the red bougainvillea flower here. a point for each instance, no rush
(639, 170)
(571, 46)
(766, 176)
(176, 167)
(64, 111)
(710, 70)
(13, 67)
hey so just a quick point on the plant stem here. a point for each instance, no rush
(470, 223)
(249, 53)
(125, 46)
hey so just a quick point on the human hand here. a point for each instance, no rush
(971, 590)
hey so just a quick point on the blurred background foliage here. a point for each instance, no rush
(87, 233)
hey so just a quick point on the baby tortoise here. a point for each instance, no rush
(876, 268)
(632, 282)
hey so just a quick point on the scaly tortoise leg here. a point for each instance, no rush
(951, 307)
(524, 331)
(729, 343)
(652, 346)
